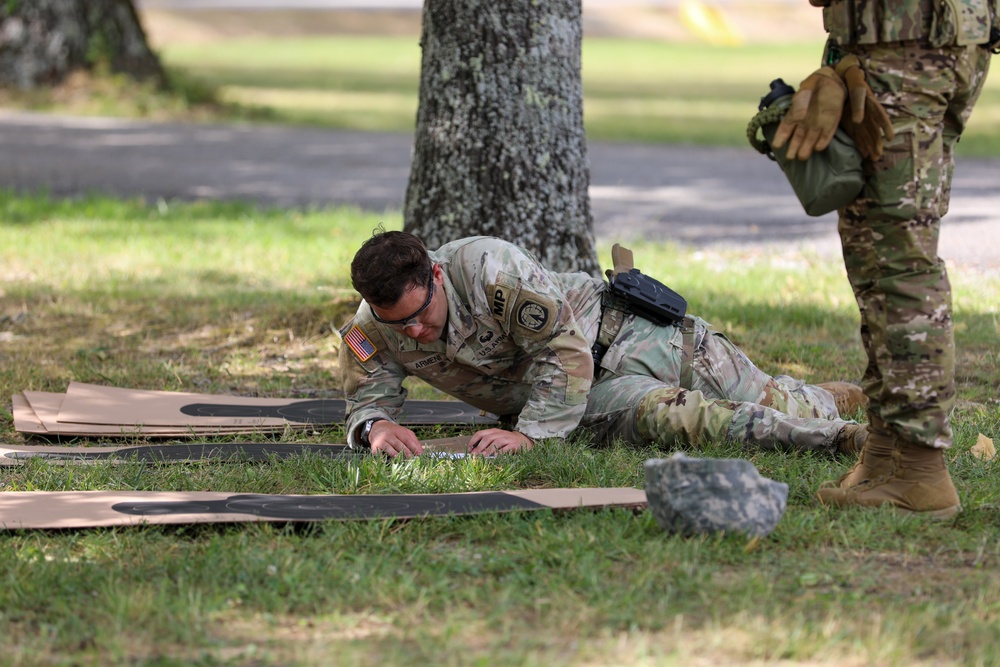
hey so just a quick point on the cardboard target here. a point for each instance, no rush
(188, 453)
(331, 411)
(22, 510)
(239, 451)
(308, 508)
(95, 404)
(37, 413)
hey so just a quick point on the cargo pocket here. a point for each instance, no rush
(893, 185)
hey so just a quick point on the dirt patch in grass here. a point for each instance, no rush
(903, 576)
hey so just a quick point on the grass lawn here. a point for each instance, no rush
(158, 297)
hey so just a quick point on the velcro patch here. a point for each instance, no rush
(535, 315)
(362, 346)
(500, 297)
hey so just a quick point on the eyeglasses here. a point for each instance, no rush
(410, 321)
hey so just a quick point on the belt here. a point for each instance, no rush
(613, 312)
(687, 352)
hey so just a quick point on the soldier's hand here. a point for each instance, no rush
(868, 120)
(393, 439)
(498, 441)
(812, 120)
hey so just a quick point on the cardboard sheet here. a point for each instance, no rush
(85, 509)
(25, 419)
(110, 412)
(45, 407)
(95, 404)
(12, 455)
(187, 453)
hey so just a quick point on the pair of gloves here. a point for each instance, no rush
(818, 108)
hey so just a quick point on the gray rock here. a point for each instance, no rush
(691, 496)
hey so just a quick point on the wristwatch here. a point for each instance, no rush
(366, 429)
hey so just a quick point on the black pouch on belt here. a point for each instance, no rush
(630, 291)
(646, 297)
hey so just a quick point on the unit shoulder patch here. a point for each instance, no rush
(534, 315)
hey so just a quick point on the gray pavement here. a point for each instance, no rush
(703, 197)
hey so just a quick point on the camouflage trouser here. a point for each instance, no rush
(639, 398)
(890, 236)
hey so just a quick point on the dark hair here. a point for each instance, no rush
(389, 264)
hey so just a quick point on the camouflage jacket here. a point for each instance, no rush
(934, 22)
(517, 342)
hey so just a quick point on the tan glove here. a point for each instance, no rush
(868, 120)
(813, 118)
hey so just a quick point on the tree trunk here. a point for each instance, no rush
(499, 148)
(41, 41)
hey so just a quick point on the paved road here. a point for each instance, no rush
(698, 196)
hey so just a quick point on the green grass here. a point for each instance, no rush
(118, 292)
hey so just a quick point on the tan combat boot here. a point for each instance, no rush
(851, 439)
(894, 472)
(849, 397)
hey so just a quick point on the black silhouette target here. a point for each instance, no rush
(313, 508)
(321, 411)
(242, 451)
(331, 411)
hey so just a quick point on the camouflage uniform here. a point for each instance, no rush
(518, 343)
(925, 64)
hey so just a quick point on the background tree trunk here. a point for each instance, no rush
(499, 148)
(41, 41)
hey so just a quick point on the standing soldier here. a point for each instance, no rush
(901, 78)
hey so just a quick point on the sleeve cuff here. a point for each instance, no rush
(356, 421)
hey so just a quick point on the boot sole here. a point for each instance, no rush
(939, 515)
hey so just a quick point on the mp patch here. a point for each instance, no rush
(362, 346)
(500, 298)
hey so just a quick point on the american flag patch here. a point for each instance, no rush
(362, 346)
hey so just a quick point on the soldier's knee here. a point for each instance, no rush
(651, 415)
(671, 415)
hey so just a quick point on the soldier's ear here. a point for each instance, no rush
(438, 273)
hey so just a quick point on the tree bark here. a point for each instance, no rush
(499, 148)
(42, 41)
